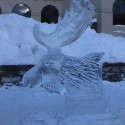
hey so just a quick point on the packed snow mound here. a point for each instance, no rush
(90, 42)
(18, 45)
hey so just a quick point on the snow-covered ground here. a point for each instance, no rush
(24, 106)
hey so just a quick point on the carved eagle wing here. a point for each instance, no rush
(70, 28)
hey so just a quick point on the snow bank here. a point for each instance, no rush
(90, 41)
(17, 43)
(18, 46)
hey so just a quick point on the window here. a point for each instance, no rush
(94, 24)
(119, 12)
(22, 9)
(49, 14)
(0, 11)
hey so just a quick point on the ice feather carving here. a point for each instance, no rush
(60, 73)
(82, 75)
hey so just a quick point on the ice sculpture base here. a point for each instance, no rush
(86, 104)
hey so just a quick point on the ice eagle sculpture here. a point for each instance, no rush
(57, 72)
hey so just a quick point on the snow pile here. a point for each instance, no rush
(18, 46)
(90, 41)
(17, 43)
